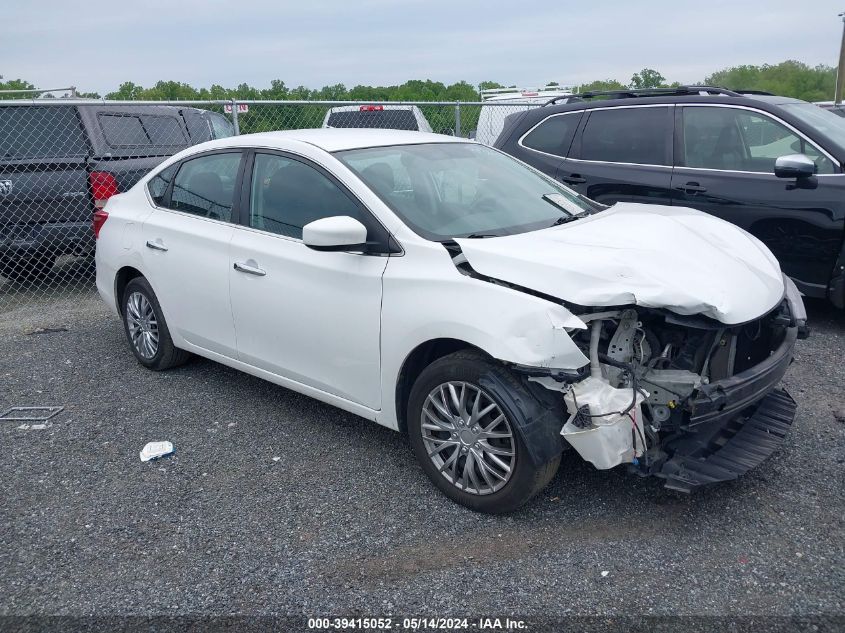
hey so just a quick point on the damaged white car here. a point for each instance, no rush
(450, 292)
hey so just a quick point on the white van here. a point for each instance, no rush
(389, 117)
(492, 118)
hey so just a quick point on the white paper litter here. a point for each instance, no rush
(154, 450)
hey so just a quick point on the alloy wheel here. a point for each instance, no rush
(468, 437)
(142, 325)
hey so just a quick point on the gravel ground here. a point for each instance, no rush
(277, 504)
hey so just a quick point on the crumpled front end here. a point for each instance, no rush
(688, 399)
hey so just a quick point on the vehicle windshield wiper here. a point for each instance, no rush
(479, 236)
(564, 219)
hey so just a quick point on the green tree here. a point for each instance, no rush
(16, 84)
(789, 79)
(489, 85)
(126, 91)
(602, 85)
(647, 78)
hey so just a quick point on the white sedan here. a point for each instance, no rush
(448, 291)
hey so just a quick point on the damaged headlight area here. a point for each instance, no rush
(685, 398)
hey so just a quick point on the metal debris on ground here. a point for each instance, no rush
(30, 414)
(154, 450)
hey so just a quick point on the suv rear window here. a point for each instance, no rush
(554, 135)
(627, 135)
(382, 119)
(28, 132)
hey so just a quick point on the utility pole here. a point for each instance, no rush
(840, 73)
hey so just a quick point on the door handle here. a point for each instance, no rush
(243, 267)
(691, 187)
(156, 246)
(574, 179)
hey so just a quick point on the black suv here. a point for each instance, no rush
(60, 162)
(772, 165)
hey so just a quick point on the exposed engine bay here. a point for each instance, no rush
(647, 372)
(672, 392)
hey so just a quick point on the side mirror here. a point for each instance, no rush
(337, 233)
(794, 166)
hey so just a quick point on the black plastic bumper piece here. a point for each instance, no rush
(724, 399)
(731, 451)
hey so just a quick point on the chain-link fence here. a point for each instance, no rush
(61, 159)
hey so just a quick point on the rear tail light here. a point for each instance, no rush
(103, 187)
(98, 221)
(371, 108)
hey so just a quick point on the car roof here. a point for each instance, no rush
(337, 139)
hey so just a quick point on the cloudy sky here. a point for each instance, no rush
(96, 45)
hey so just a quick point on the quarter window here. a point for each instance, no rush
(627, 135)
(205, 186)
(159, 183)
(554, 135)
(740, 140)
(288, 194)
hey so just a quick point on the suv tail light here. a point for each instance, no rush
(103, 187)
(98, 221)
(371, 108)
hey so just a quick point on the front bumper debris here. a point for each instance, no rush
(723, 399)
(707, 457)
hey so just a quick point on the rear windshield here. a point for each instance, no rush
(35, 132)
(382, 119)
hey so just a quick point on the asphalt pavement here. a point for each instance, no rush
(276, 504)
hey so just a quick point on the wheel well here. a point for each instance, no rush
(124, 276)
(420, 358)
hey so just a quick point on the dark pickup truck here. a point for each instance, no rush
(60, 162)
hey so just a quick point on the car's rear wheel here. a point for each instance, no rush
(468, 439)
(146, 330)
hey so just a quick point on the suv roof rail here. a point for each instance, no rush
(529, 92)
(634, 93)
(742, 91)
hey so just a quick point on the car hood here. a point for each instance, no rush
(649, 255)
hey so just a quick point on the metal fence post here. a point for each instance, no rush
(235, 117)
(457, 131)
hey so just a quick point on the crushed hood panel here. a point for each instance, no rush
(649, 255)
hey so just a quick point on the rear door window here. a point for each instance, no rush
(205, 186)
(38, 132)
(640, 136)
(554, 135)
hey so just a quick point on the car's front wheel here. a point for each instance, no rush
(468, 438)
(146, 329)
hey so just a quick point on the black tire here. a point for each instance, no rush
(29, 268)
(527, 478)
(166, 355)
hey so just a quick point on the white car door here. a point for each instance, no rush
(310, 316)
(185, 244)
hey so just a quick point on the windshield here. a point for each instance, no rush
(822, 120)
(448, 190)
